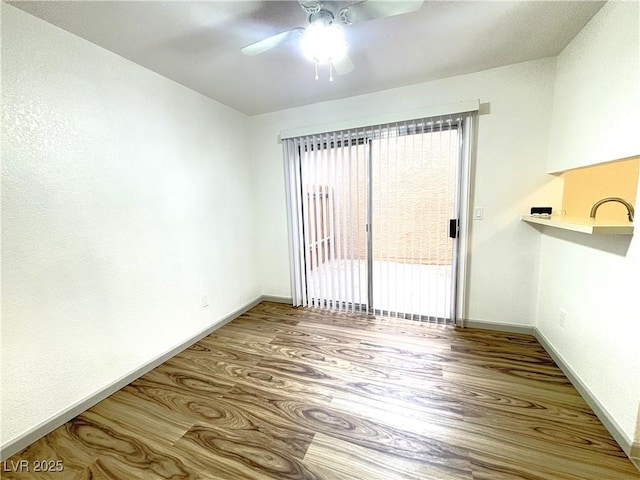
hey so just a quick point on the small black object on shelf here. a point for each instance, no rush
(541, 211)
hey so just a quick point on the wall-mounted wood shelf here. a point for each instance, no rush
(583, 225)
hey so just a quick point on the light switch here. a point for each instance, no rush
(478, 213)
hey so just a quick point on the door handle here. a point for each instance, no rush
(453, 228)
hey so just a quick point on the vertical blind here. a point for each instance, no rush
(327, 176)
(369, 213)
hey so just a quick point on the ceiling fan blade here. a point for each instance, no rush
(310, 6)
(343, 65)
(371, 10)
(271, 42)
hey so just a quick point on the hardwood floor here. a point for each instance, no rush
(284, 393)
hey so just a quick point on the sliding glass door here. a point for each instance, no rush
(376, 211)
(413, 198)
(334, 211)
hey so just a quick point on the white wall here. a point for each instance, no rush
(126, 197)
(597, 279)
(597, 93)
(509, 178)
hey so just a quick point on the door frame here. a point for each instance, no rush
(468, 111)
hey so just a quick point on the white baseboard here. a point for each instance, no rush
(635, 452)
(601, 412)
(276, 299)
(501, 327)
(15, 445)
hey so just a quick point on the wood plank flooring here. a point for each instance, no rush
(284, 393)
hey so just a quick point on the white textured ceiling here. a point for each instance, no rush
(198, 43)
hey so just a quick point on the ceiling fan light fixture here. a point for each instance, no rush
(323, 42)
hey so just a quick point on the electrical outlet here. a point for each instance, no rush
(563, 318)
(205, 301)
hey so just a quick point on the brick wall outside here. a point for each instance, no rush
(413, 185)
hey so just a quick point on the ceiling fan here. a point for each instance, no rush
(323, 40)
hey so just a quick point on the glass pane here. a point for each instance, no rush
(334, 196)
(414, 184)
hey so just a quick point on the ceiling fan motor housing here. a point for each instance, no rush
(323, 17)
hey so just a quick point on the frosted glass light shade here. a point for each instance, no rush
(322, 43)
